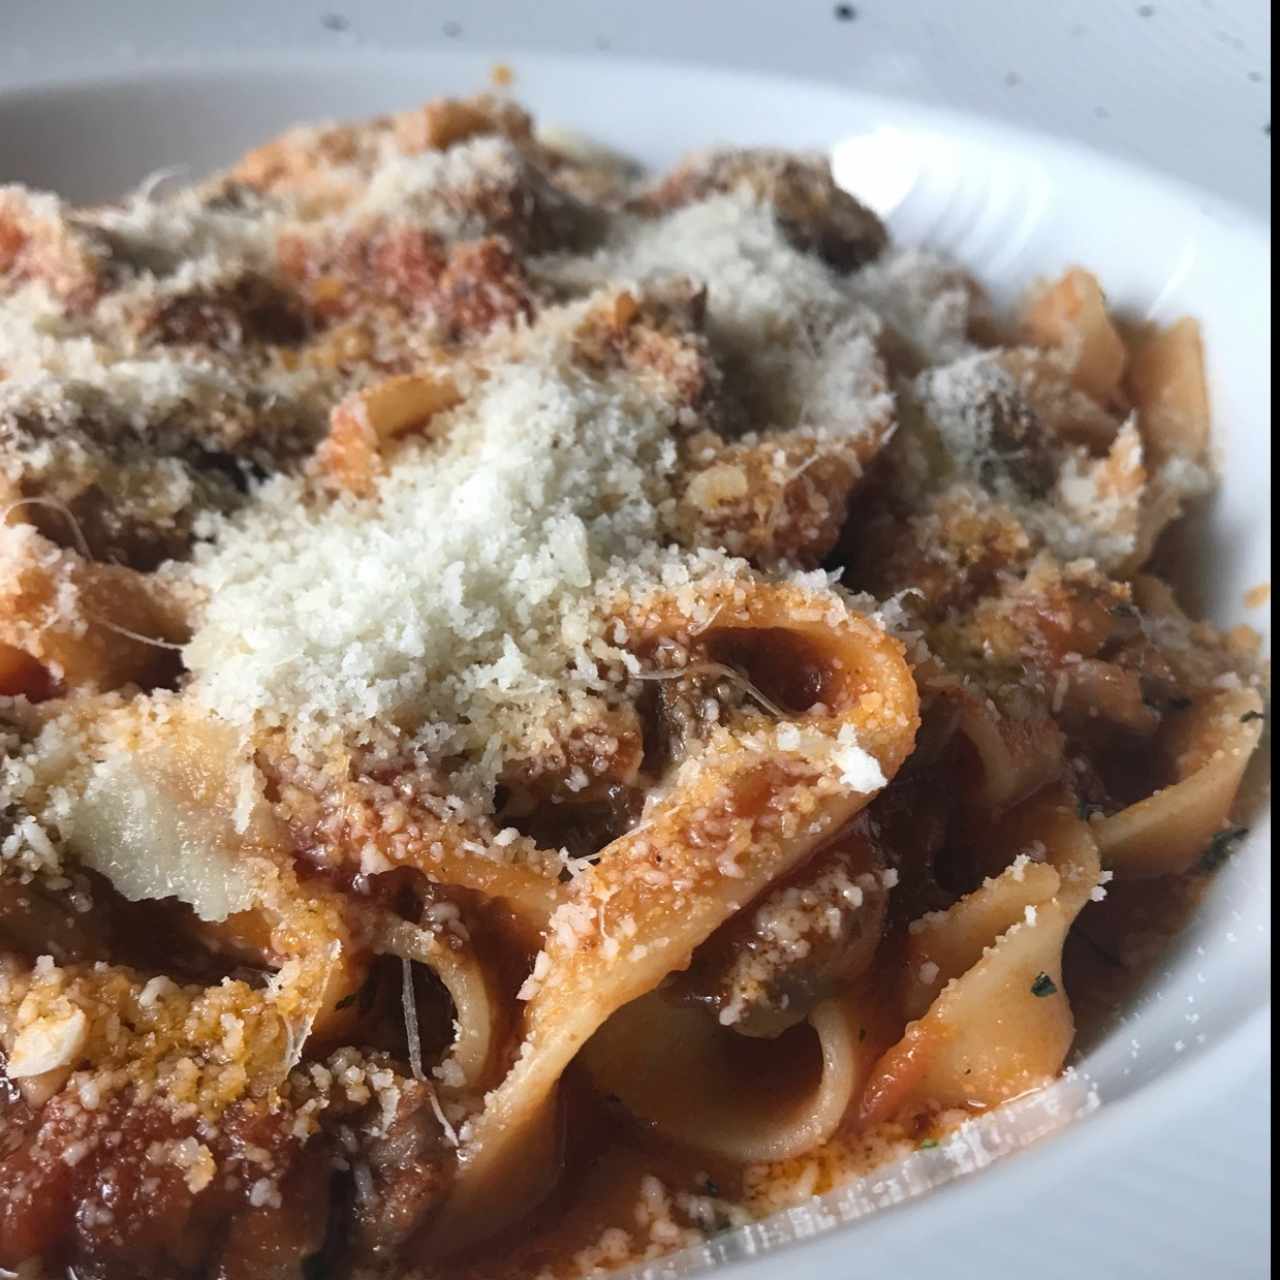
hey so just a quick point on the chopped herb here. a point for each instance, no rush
(928, 1144)
(711, 1187)
(1221, 847)
(1044, 986)
(347, 1000)
(1250, 716)
(862, 1034)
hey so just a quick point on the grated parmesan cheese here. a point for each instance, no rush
(462, 603)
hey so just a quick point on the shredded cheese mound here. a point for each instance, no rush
(463, 601)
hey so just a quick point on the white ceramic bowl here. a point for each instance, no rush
(1169, 1175)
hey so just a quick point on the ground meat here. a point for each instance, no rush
(988, 428)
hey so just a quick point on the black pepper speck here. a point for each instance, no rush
(1013, 79)
(335, 22)
(1146, 11)
(453, 30)
(845, 13)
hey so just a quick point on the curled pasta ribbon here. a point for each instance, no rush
(476, 1013)
(1016, 757)
(443, 850)
(697, 1083)
(1210, 746)
(67, 622)
(754, 803)
(992, 1019)
(786, 973)
(364, 425)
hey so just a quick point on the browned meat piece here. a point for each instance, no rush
(276, 1241)
(816, 215)
(401, 1174)
(657, 333)
(458, 291)
(249, 310)
(767, 968)
(136, 481)
(145, 1192)
(299, 160)
(948, 553)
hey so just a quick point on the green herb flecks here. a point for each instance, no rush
(1044, 986)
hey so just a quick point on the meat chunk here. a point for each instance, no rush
(137, 457)
(250, 309)
(276, 1240)
(146, 1191)
(815, 214)
(402, 1171)
(771, 964)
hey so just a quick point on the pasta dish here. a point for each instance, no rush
(547, 713)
